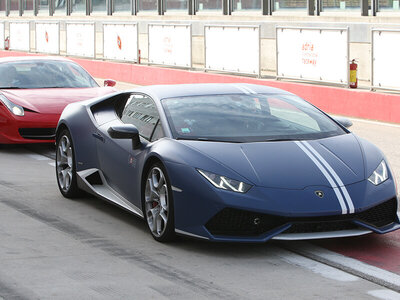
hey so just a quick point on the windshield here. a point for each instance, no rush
(44, 74)
(247, 118)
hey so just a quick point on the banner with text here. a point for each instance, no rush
(313, 54)
(385, 65)
(19, 36)
(120, 41)
(232, 48)
(81, 39)
(170, 44)
(2, 37)
(47, 37)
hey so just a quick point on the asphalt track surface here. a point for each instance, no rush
(55, 248)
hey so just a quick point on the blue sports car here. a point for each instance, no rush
(226, 162)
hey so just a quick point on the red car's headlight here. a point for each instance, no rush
(12, 107)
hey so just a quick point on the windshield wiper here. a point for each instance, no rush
(205, 139)
(10, 88)
(280, 140)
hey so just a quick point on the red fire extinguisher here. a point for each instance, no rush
(7, 43)
(353, 74)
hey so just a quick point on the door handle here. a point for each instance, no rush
(98, 136)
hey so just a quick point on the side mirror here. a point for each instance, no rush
(109, 82)
(344, 122)
(127, 131)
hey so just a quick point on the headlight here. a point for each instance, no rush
(14, 108)
(380, 174)
(225, 183)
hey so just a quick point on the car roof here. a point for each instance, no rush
(200, 89)
(32, 58)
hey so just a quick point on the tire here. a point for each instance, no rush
(66, 167)
(158, 205)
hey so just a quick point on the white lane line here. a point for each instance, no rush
(316, 267)
(347, 264)
(38, 157)
(385, 294)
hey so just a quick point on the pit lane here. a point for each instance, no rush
(54, 248)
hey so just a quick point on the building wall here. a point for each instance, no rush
(359, 33)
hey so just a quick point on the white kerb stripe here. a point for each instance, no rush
(337, 178)
(327, 176)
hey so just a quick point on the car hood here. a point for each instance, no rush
(53, 101)
(290, 164)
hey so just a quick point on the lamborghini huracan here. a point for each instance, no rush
(226, 162)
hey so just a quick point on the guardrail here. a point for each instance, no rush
(20, 36)
(120, 41)
(233, 49)
(302, 53)
(47, 37)
(385, 64)
(313, 54)
(170, 44)
(81, 39)
(2, 35)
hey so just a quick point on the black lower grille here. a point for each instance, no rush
(38, 133)
(235, 222)
(230, 221)
(308, 227)
(380, 215)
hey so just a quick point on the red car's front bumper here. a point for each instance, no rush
(30, 128)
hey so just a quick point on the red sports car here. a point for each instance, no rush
(35, 90)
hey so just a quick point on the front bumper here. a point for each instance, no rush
(30, 128)
(261, 214)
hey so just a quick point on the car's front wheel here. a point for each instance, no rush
(158, 204)
(65, 166)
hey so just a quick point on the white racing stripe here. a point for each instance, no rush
(327, 176)
(335, 176)
(244, 89)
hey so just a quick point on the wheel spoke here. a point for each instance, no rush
(164, 217)
(159, 225)
(152, 188)
(156, 201)
(64, 163)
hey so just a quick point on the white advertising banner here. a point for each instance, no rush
(47, 37)
(385, 62)
(2, 37)
(19, 36)
(170, 44)
(232, 48)
(81, 39)
(120, 41)
(313, 54)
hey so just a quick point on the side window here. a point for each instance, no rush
(158, 133)
(141, 111)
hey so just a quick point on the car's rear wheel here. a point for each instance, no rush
(65, 166)
(158, 204)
